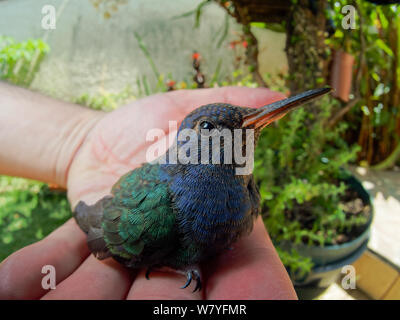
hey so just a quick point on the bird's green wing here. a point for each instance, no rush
(139, 222)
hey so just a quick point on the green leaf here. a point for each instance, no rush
(199, 11)
(225, 31)
(382, 45)
(147, 55)
(261, 25)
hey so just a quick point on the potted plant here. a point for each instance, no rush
(317, 214)
(342, 74)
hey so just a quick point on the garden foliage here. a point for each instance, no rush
(19, 61)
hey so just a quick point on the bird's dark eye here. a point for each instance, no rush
(206, 125)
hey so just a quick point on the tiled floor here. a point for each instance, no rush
(336, 292)
(384, 187)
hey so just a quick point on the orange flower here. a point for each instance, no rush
(171, 83)
(196, 56)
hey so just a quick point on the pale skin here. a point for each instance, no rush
(86, 151)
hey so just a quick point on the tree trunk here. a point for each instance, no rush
(242, 16)
(305, 46)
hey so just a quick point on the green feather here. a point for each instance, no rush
(140, 220)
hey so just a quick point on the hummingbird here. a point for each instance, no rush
(177, 215)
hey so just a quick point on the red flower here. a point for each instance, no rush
(196, 56)
(171, 83)
(244, 44)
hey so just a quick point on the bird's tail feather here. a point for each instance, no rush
(89, 219)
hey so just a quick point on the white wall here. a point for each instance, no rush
(89, 52)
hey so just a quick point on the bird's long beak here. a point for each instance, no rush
(263, 116)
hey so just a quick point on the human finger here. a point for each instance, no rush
(94, 279)
(21, 273)
(251, 270)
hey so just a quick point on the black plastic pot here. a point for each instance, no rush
(342, 73)
(320, 278)
(329, 260)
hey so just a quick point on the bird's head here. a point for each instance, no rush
(216, 133)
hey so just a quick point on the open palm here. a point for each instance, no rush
(115, 145)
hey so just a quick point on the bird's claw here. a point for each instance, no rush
(147, 275)
(190, 275)
(189, 280)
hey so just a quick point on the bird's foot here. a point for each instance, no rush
(193, 274)
(148, 271)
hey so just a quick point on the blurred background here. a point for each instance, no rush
(328, 175)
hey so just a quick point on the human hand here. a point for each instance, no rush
(115, 145)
